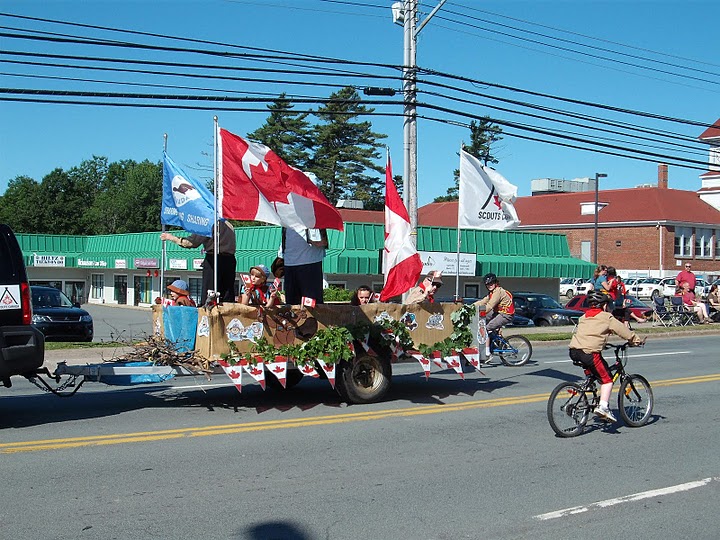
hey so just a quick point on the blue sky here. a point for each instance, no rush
(36, 138)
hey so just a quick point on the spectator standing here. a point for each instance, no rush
(303, 264)
(225, 259)
(599, 276)
(686, 275)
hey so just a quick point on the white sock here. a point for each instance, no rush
(603, 404)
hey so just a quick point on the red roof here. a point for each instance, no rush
(353, 215)
(712, 132)
(622, 206)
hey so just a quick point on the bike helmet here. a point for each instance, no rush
(597, 298)
(490, 279)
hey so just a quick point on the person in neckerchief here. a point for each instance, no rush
(592, 333)
(498, 304)
(258, 293)
(180, 294)
(425, 291)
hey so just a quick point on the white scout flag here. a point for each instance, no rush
(486, 198)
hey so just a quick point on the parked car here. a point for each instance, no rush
(544, 310)
(639, 308)
(518, 320)
(22, 347)
(583, 287)
(568, 286)
(646, 288)
(58, 318)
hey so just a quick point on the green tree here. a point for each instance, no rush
(21, 204)
(287, 133)
(483, 135)
(346, 149)
(130, 200)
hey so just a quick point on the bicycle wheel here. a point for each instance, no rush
(516, 351)
(568, 409)
(635, 400)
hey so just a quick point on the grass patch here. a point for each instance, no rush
(61, 345)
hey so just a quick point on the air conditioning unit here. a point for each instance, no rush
(349, 203)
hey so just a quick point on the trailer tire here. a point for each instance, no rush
(366, 379)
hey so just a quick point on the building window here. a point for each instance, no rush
(97, 285)
(472, 290)
(717, 243)
(120, 289)
(143, 290)
(585, 250)
(195, 285)
(683, 242)
(703, 242)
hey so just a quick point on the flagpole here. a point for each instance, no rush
(216, 235)
(163, 256)
(457, 262)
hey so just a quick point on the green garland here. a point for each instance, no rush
(331, 343)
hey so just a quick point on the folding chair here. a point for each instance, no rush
(661, 314)
(683, 315)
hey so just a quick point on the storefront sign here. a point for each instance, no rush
(197, 264)
(178, 264)
(120, 263)
(448, 262)
(86, 263)
(48, 260)
(146, 263)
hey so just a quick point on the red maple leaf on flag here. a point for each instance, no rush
(307, 369)
(328, 368)
(278, 369)
(424, 361)
(496, 201)
(234, 375)
(255, 372)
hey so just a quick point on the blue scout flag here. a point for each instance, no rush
(186, 202)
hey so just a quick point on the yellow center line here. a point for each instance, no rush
(147, 436)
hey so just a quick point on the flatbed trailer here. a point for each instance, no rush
(228, 339)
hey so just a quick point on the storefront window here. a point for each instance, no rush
(120, 294)
(97, 285)
(195, 285)
(143, 290)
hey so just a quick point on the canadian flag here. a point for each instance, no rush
(401, 262)
(255, 184)
(246, 279)
(308, 302)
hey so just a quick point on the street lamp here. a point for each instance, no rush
(598, 176)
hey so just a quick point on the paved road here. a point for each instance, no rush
(441, 459)
(113, 323)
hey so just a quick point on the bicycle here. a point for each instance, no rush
(571, 403)
(512, 350)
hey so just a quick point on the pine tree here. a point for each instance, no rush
(286, 133)
(483, 135)
(347, 151)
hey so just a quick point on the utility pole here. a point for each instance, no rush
(598, 176)
(409, 14)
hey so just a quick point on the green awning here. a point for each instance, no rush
(534, 267)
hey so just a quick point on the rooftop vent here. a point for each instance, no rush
(349, 203)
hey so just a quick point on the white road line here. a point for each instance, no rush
(628, 498)
(646, 355)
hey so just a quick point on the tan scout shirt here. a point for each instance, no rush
(595, 327)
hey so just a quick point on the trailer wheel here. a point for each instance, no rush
(366, 379)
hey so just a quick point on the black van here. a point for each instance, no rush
(22, 347)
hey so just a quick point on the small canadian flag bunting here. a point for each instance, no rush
(453, 361)
(329, 370)
(246, 279)
(424, 362)
(309, 370)
(278, 368)
(257, 372)
(308, 302)
(437, 358)
(234, 372)
(473, 357)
